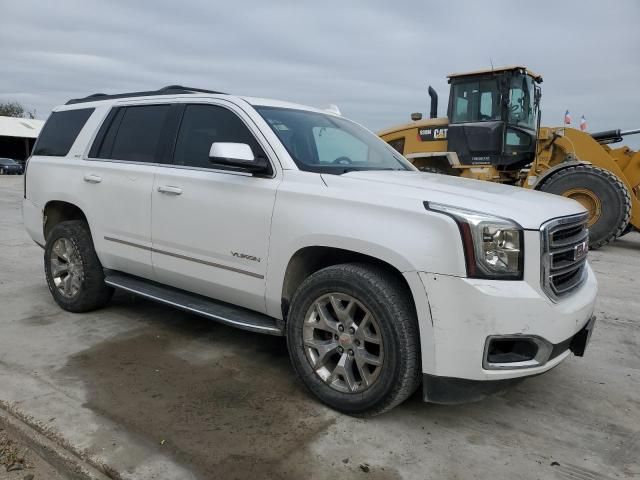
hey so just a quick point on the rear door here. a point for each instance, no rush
(210, 227)
(117, 183)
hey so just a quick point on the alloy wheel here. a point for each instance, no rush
(343, 343)
(67, 269)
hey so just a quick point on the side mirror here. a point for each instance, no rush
(239, 156)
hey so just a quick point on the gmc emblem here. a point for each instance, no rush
(580, 251)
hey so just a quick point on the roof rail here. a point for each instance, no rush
(168, 90)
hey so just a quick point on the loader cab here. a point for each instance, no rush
(493, 117)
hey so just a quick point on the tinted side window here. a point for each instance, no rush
(204, 124)
(137, 134)
(475, 101)
(60, 131)
(103, 142)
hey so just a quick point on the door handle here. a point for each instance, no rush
(92, 178)
(170, 190)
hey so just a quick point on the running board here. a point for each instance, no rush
(219, 311)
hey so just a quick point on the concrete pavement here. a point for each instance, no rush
(148, 392)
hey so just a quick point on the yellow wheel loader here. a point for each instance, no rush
(492, 132)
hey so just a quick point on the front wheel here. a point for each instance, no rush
(602, 193)
(74, 274)
(353, 338)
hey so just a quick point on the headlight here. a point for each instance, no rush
(493, 246)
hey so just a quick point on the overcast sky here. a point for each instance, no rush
(373, 59)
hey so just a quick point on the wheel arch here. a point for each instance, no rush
(56, 211)
(310, 259)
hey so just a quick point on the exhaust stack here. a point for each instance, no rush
(434, 102)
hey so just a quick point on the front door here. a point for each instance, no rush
(210, 227)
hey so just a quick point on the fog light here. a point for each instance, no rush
(509, 352)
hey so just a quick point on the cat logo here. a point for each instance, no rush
(432, 134)
(440, 133)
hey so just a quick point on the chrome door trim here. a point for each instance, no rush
(184, 257)
(130, 244)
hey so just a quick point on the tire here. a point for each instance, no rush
(628, 229)
(601, 192)
(82, 289)
(394, 318)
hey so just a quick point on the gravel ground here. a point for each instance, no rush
(153, 393)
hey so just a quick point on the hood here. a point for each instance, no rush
(527, 207)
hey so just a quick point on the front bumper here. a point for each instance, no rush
(463, 313)
(451, 391)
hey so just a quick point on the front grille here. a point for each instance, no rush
(565, 243)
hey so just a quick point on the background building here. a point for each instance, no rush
(17, 136)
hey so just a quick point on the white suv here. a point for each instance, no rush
(288, 220)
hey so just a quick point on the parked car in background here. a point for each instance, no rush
(8, 166)
(288, 220)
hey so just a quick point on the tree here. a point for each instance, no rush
(15, 109)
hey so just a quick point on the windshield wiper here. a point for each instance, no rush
(361, 169)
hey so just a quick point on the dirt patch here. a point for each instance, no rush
(18, 462)
(221, 401)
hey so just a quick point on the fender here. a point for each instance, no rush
(278, 269)
(557, 168)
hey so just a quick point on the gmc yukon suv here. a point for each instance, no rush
(288, 220)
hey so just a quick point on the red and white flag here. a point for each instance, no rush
(583, 123)
(567, 118)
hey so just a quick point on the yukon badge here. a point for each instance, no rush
(244, 255)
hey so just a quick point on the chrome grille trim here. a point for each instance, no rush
(561, 272)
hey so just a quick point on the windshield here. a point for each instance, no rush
(521, 106)
(7, 161)
(328, 144)
(476, 101)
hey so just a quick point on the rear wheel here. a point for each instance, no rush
(74, 273)
(604, 196)
(353, 338)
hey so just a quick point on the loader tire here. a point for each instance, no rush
(601, 192)
(630, 228)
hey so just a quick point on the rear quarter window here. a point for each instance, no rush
(60, 131)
